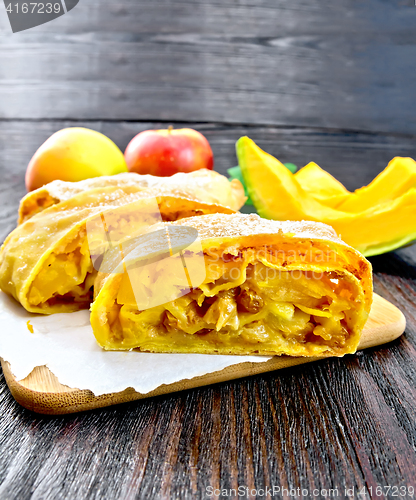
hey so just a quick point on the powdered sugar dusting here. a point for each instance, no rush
(203, 185)
(62, 190)
(240, 225)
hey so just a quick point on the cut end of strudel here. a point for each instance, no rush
(264, 287)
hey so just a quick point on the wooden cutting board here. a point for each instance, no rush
(42, 392)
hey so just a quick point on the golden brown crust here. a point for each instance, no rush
(203, 185)
(244, 225)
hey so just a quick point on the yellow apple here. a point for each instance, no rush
(74, 154)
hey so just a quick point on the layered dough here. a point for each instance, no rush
(204, 185)
(270, 288)
(46, 262)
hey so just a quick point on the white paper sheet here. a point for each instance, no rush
(66, 345)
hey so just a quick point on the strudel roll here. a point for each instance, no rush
(49, 263)
(205, 185)
(266, 287)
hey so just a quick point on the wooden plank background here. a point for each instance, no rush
(331, 82)
(314, 63)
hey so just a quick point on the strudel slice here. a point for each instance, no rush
(49, 263)
(267, 288)
(204, 185)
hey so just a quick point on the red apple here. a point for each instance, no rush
(168, 151)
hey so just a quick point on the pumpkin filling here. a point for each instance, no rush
(260, 309)
(67, 275)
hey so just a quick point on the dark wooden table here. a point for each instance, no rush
(332, 82)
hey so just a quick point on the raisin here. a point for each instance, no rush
(249, 301)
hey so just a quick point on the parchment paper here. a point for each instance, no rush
(66, 345)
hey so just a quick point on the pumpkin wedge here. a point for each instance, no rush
(375, 219)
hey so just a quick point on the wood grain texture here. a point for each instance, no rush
(309, 80)
(42, 392)
(334, 423)
(313, 63)
(328, 424)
